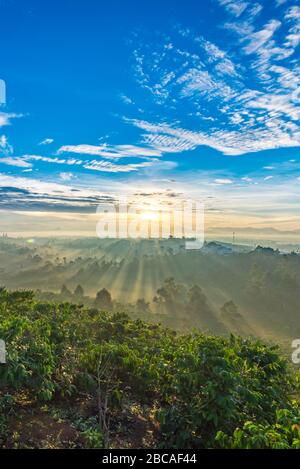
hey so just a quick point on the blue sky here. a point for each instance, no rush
(188, 98)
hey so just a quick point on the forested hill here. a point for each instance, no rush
(251, 291)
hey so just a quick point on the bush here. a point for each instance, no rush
(216, 384)
(284, 433)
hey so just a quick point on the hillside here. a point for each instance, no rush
(76, 377)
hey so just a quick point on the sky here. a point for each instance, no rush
(160, 100)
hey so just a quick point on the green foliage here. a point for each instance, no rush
(215, 383)
(94, 438)
(209, 391)
(30, 356)
(91, 432)
(6, 409)
(284, 433)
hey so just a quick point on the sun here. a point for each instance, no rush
(149, 216)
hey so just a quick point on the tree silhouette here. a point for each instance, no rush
(197, 306)
(79, 291)
(65, 291)
(231, 317)
(229, 310)
(197, 298)
(142, 306)
(103, 300)
(170, 297)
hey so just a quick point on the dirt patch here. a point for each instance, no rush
(39, 430)
(136, 428)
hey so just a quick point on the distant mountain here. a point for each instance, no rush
(250, 229)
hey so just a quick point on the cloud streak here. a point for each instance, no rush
(6, 117)
(46, 141)
(111, 152)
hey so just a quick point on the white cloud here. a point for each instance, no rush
(228, 142)
(168, 144)
(38, 186)
(212, 86)
(113, 152)
(247, 179)
(226, 67)
(66, 176)
(214, 53)
(126, 99)
(258, 39)
(293, 13)
(293, 17)
(5, 147)
(15, 161)
(202, 82)
(6, 117)
(223, 181)
(46, 141)
(236, 118)
(95, 165)
(287, 79)
(54, 160)
(236, 7)
(278, 104)
(108, 167)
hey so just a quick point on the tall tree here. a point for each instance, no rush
(79, 291)
(103, 300)
(200, 311)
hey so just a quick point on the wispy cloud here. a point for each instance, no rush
(236, 7)
(111, 152)
(168, 144)
(66, 176)
(125, 99)
(223, 181)
(225, 141)
(46, 141)
(5, 118)
(5, 147)
(239, 98)
(109, 167)
(293, 17)
(93, 165)
(53, 160)
(280, 2)
(259, 38)
(15, 161)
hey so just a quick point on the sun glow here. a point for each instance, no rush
(149, 216)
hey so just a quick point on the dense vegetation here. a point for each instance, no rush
(80, 377)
